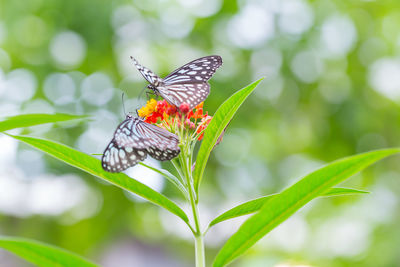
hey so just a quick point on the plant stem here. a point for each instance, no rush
(185, 159)
(199, 246)
(176, 166)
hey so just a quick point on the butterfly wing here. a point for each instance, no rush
(190, 93)
(150, 76)
(118, 158)
(126, 148)
(133, 140)
(164, 145)
(197, 71)
(188, 84)
(127, 135)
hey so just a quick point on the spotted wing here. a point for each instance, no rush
(197, 71)
(163, 144)
(190, 93)
(150, 76)
(118, 158)
(127, 135)
(126, 148)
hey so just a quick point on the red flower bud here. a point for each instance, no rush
(171, 110)
(184, 108)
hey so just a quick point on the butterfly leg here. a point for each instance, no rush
(150, 93)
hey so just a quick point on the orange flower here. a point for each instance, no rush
(202, 126)
(166, 116)
(199, 105)
(153, 118)
(197, 112)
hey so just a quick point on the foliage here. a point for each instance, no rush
(283, 205)
(255, 205)
(41, 254)
(270, 211)
(34, 119)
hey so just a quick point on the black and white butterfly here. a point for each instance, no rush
(187, 84)
(133, 140)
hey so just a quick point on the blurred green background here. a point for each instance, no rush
(332, 89)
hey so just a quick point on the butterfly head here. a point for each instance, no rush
(153, 87)
(129, 115)
(138, 117)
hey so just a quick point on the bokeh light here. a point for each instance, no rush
(338, 36)
(251, 27)
(68, 49)
(295, 17)
(385, 77)
(20, 85)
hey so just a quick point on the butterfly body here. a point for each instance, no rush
(133, 140)
(187, 84)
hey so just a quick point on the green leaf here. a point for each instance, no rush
(27, 120)
(256, 204)
(220, 120)
(285, 204)
(170, 177)
(41, 254)
(92, 165)
(340, 191)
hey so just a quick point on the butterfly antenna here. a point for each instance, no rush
(123, 103)
(141, 93)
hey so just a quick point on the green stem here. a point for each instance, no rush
(199, 245)
(176, 166)
(185, 159)
(191, 192)
(170, 177)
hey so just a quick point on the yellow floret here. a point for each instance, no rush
(148, 109)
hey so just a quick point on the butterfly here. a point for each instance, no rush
(133, 140)
(187, 84)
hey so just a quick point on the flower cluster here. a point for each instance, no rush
(169, 117)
